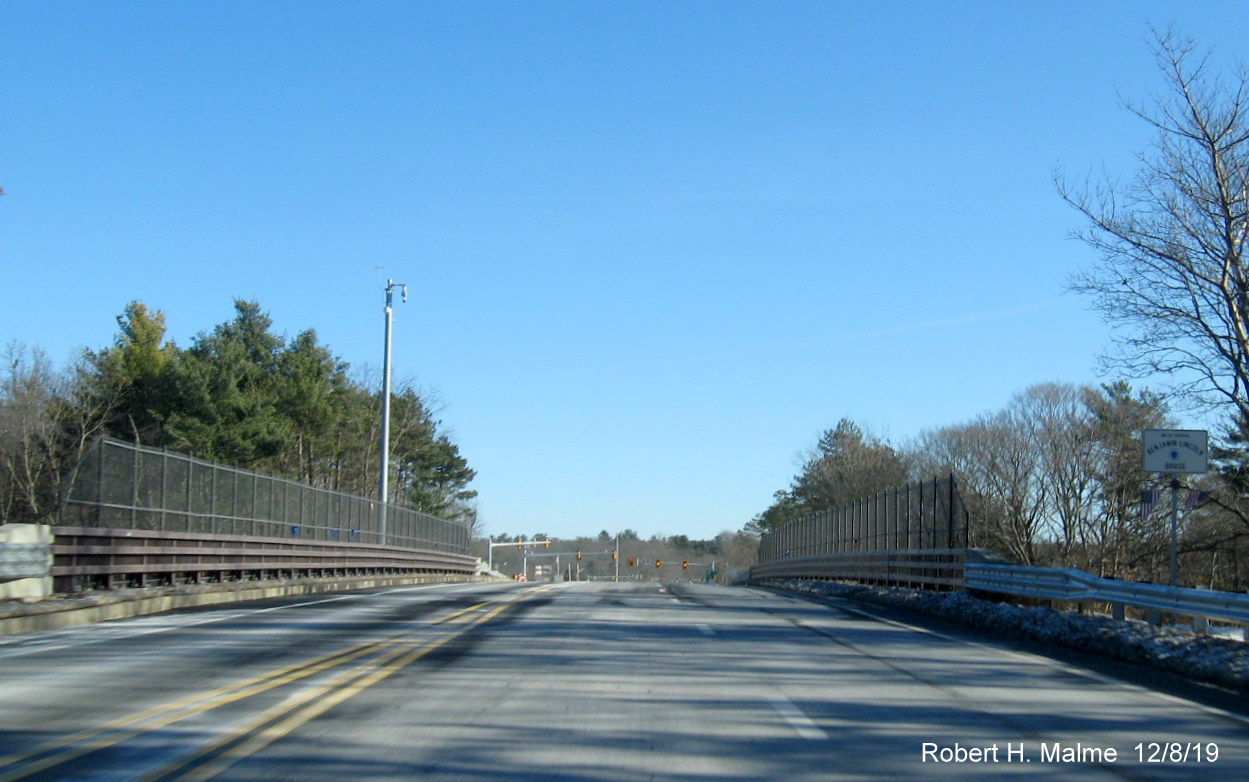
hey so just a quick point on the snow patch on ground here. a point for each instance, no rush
(1212, 658)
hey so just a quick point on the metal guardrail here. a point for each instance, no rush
(924, 568)
(957, 568)
(1077, 586)
(85, 557)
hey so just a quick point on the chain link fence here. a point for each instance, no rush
(119, 485)
(922, 516)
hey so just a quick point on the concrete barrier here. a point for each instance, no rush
(25, 561)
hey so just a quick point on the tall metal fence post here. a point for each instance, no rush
(950, 514)
(134, 491)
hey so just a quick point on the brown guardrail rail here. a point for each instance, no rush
(91, 557)
(926, 568)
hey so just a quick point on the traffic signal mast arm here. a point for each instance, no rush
(578, 554)
(520, 544)
(685, 564)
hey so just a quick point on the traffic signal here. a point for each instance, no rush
(578, 555)
(686, 564)
(615, 555)
(633, 561)
(659, 563)
(547, 543)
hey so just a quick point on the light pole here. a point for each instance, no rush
(383, 482)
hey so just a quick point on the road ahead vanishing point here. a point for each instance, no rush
(592, 682)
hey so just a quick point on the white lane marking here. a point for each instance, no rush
(796, 719)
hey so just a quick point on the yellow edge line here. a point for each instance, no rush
(336, 692)
(166, 714)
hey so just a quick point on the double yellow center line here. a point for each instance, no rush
(389, 655)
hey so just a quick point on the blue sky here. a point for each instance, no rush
(653, 248)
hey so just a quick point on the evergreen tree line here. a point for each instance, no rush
(240, 395)
(1053, 479)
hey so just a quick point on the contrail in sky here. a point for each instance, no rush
(634, 364)
(974, 317)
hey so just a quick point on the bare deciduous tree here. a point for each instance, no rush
(47, 420)
(1172, 271)
(996, 461)
(1055, 478)
(28, 433)
(1059, 424)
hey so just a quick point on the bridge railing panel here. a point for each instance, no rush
(890, 537)
(121, 485)
(121, 490)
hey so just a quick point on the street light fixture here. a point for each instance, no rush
(383, 483)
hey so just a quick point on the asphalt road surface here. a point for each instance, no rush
(587, 682)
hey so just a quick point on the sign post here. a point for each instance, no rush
(1175, 452)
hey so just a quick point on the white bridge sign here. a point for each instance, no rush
(1175, 451)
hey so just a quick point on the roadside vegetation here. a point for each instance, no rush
(1054, 477)
(239, 394)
